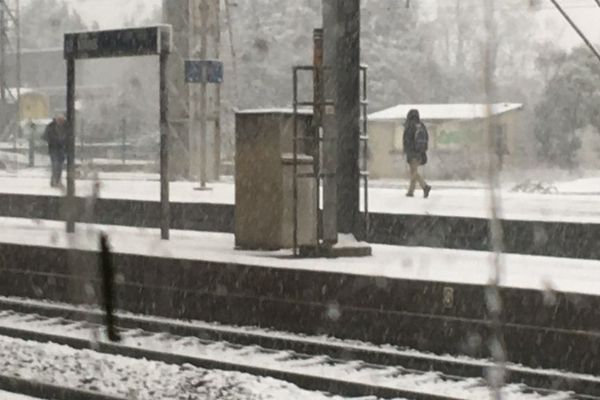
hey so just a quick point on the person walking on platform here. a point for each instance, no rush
(416, 143)
(56, 137)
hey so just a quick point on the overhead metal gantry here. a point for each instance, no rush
(146, 41)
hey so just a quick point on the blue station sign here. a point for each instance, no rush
(204, 71)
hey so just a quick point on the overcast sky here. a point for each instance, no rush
(586, 13)
(112, 13)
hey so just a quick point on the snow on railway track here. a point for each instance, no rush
(315, 372)
(90, 375)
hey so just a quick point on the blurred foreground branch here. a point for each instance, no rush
(496, 375)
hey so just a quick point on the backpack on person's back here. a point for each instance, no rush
(421, 138)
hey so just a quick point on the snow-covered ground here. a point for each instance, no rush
(347, 370)
(330, 341)
(576, 201)
(13, 396)
(137, 379)
(458, 266)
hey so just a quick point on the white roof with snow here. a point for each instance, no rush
(301, 111)
(11, 93)
(443, 111)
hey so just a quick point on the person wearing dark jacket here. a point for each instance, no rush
(56, 137)
(415, 147)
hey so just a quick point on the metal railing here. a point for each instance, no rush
(316, 141)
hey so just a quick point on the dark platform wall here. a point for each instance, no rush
(557, 239)
(541, 330)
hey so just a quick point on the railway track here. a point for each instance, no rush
(347, 369)
(48, 391)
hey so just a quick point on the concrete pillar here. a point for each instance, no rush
(205, 37)
(196, 34)
(341, 22)
(177, 14)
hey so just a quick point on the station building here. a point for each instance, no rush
(458, 146)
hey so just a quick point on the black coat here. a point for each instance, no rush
(408, 141)
(56, 137)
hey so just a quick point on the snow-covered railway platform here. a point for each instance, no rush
(428, 299)
(566, 224)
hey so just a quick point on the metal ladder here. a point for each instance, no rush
(315, 142)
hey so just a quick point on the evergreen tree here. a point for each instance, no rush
(569, 103)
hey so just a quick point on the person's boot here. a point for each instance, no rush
(426, 191)
(409, 194)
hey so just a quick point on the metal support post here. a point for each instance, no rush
(123, 141)
(295, 166)
(70, 199)
(81, 141)
(218, 137)
(165, 206)
(216, 109)
(203, 95)
(318, 111)
(17, 22)
(31, 144)
(364, 139)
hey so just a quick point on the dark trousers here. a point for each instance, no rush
(57, 158)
